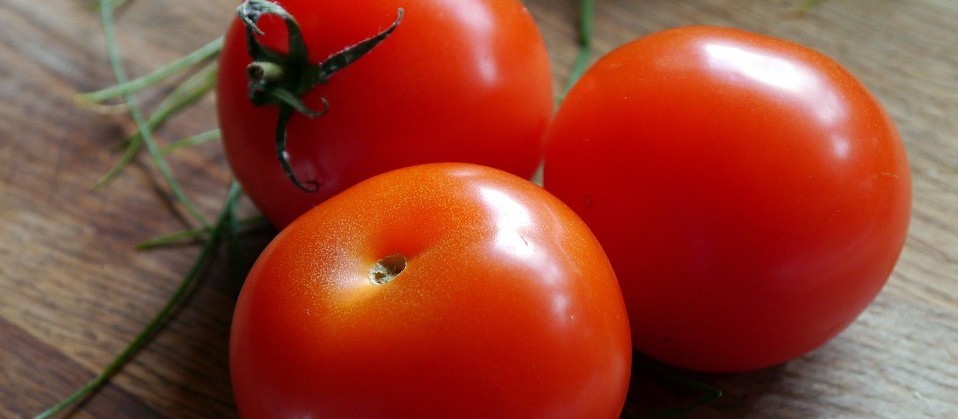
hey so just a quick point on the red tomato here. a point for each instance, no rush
(751, 194)
(504, 306)
(458, 80)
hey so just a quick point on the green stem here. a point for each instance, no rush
(194, 234)
(202, 54)
(179, 295)
(283, 79)
(116, 4)
(106, 15)
(193, 140)
(172, 239)
(187, 93)
(808, 5)
(264, 72)
(586, 18)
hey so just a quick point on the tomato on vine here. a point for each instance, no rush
(433, 291)
(752, 195)
(315, 96)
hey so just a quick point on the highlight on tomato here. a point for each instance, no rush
(752, 195)
(439, 290)
(314, 96)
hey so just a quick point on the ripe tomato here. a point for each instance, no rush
(751, 194)
(458, 80)
(504, 306)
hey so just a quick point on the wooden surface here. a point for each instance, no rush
(73, 291)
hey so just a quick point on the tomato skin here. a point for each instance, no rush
(507, 308)
(751, 194)
(459, 80)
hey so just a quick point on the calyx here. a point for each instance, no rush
(277, 79)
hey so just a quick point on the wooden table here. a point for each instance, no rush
(74, 291)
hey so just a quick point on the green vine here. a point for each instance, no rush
(106, 15)
(186, 62)
(179, 295)
(186, 94)
(225, 227)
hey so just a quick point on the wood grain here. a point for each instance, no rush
(74, 291)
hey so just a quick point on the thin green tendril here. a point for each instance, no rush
(193, 235)
(193, 140)
(178, 297)
(186, 94)
(200, 55)
(106, 14)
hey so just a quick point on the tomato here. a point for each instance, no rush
(457, 80)
(440, 290)
(752, 195)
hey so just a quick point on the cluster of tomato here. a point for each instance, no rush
(717, 199)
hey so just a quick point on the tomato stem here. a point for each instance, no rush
(264, 72)
(277, 79)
